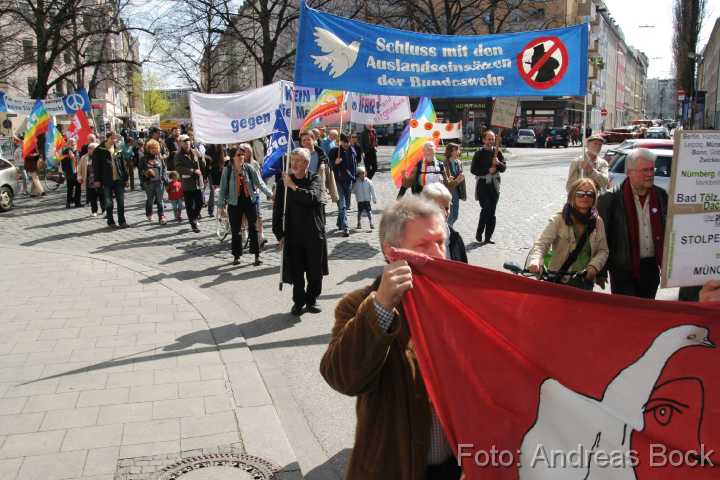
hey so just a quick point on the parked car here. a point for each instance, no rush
(657, 132)
(663, 168)
(627, 145)
(620, 134)
(525, 138)
(556, 137)
(8, 181)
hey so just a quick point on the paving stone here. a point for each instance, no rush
(208, 425)
(64, 419)
(203, 388)
(151, 432)
(23, 423)
(130, 378)
(111, 396)
(101, 461)
(28, 444)
(182, 407)
(10, 406)
(177, 375)
(55, 401)
(9, 468)
(53, 467)
(93, 437)
(154, 392)
(129, 412)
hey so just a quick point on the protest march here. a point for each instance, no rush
(482, 239)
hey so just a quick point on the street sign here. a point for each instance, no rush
(604, 112)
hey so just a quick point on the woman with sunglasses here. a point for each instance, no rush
(577, 237)
(237, 191)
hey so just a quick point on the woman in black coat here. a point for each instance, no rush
(300, 227)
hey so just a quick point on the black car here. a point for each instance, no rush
(555, 137)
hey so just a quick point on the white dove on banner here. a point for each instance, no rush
(436, 131)
(339, 56)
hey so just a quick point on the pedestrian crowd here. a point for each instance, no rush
(601, 234)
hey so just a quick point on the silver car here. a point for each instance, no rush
(525, 137)
(8, 182)
(663, 165)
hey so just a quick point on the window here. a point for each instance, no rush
(59, 89)
(31, 82)
(4, 165)
(67, 58)
(663, 166)
(69, 86)
(28, 50)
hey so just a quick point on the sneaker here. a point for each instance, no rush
(149, 217)
(236, 261)
(211, 214)
(372, 227)
(296, 310)
(123, 225)
(257, 261)
(314, 308)
(346, 233)
(94, 214)
(162, 221)
(195, 228)
(488, 241)
(112, 225)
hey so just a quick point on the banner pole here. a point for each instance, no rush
(286, 167)
(342, 107)
(584, 127)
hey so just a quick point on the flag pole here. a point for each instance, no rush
(286, 167)
(342, 107)
(584, 124)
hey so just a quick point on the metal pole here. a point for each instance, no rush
(582, 170)
(286, 167)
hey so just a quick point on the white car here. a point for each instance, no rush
(8, 182)
(525, 137)
(663, 166)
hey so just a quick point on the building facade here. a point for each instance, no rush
(110, 85)
(661, 98)
(708, 77)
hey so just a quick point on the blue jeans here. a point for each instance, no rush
(118, 188)
(24, 179)
(454, 208)
(154, 192)
(344, 191)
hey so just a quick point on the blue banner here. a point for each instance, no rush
(337, 53)
(66, 105)
(276, 147)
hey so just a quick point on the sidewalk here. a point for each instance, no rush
(110, 370)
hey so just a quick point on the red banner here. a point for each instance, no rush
(534, 380)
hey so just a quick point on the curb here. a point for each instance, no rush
(257, 418)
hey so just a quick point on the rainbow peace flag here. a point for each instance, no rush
(408, 151)
(329, 101)
(37, 122)
(54, 141)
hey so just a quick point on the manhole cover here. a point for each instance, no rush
(220, 466)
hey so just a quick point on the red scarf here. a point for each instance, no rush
(634, 226)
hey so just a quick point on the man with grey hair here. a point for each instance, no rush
(300, 227)
(590, 166)
(634, 215)
(371, 357)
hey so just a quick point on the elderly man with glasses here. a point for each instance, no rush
(634, 214)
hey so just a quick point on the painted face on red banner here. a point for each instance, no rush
(673, 422)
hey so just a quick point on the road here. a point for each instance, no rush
(319, 422)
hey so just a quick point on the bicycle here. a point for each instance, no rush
(51, 178)
(573, 279)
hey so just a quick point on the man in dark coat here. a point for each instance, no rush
(634, 214)
(189, 166)
(110, 175)
(344, 164)
(173, 144)
(302, 232)
(369, 143)
(487, 163)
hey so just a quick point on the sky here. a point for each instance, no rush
(635, 18)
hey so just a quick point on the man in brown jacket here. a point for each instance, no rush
(371, 356)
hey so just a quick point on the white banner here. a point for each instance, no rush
(435, 130)
(235, 117)
(143, 121)
(359, 108)
(377, 109)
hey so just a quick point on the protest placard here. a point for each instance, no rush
(692, 232)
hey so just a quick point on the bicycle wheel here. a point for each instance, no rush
(223, 227)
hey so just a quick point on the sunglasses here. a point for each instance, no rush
(581, 194)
